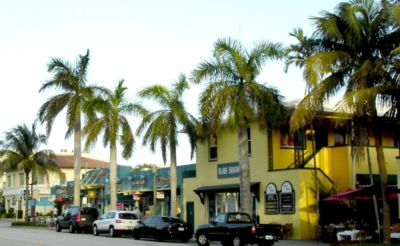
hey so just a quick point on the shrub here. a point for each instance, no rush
(24, 223)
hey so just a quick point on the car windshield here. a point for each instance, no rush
(128, 216)
(73, 210)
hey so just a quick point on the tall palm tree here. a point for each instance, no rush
(358, 44)
(107, 115)
(163, 125)
(21, 152)
(72, 82)
(233, 94)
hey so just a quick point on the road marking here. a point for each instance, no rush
(23, 242)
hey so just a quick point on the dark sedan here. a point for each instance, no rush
(163, 228)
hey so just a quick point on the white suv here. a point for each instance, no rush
(115, 222)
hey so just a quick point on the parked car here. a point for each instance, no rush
(237, 228)
(115, 223)
(77, 218)
(163, 228)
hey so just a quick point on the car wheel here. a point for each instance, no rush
(136, 234)
(202, 240)
(112, 232)
(58, 227)
(95, 232)
(236, 241)
(71, 228)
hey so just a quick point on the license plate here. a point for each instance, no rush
(130, 227)
(269, 237)
(83, 219)
(181, 229)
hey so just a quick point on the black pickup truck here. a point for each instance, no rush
(237, 228)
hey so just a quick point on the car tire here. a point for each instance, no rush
(71, 228)
(202, 240)
(95, 231)
(136, 234)
(58, 227)
(112, 232)
(237, 241)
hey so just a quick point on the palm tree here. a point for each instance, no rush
(358, 44)
(107, 115)
(233, 94)
(72, 81)
(163, 125)
(21, 152)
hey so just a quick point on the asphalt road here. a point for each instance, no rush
(25, 236)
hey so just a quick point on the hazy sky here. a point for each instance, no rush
(144, 42)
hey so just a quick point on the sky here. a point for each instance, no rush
(144, 42)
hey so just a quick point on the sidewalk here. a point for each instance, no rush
(299, 242)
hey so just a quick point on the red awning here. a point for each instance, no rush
(360, 193)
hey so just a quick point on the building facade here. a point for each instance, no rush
(41, 199)
(290, 173)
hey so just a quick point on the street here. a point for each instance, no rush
(25, 236)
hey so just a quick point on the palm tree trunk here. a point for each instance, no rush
(245, 195)
(173, 208)
(26, 196)
(113, 175)
(77, 159)
(371, 179)
(384, 183)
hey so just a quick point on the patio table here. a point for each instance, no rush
(346, 234)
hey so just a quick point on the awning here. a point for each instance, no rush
(254, 187)
(364, 192)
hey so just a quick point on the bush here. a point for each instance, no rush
(20, 213)
(24, 223)
(2, 211)
(10, 215)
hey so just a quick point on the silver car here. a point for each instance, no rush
(115, 222)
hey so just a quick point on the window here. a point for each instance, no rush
(287, 137)
(220, 218)
(21, 179)
(111, 215)
(249, 140)
(339, 137)
(292, 139)
(227, 202)
(39, 179)
(8, 180)
(212, 147)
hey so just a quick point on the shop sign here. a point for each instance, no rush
(120, 205)
(160, 194)
(287, 198)
(228, 170)
(139, 182)
(163, 180)
(271, 199)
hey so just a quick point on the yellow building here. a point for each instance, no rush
(283, 171)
